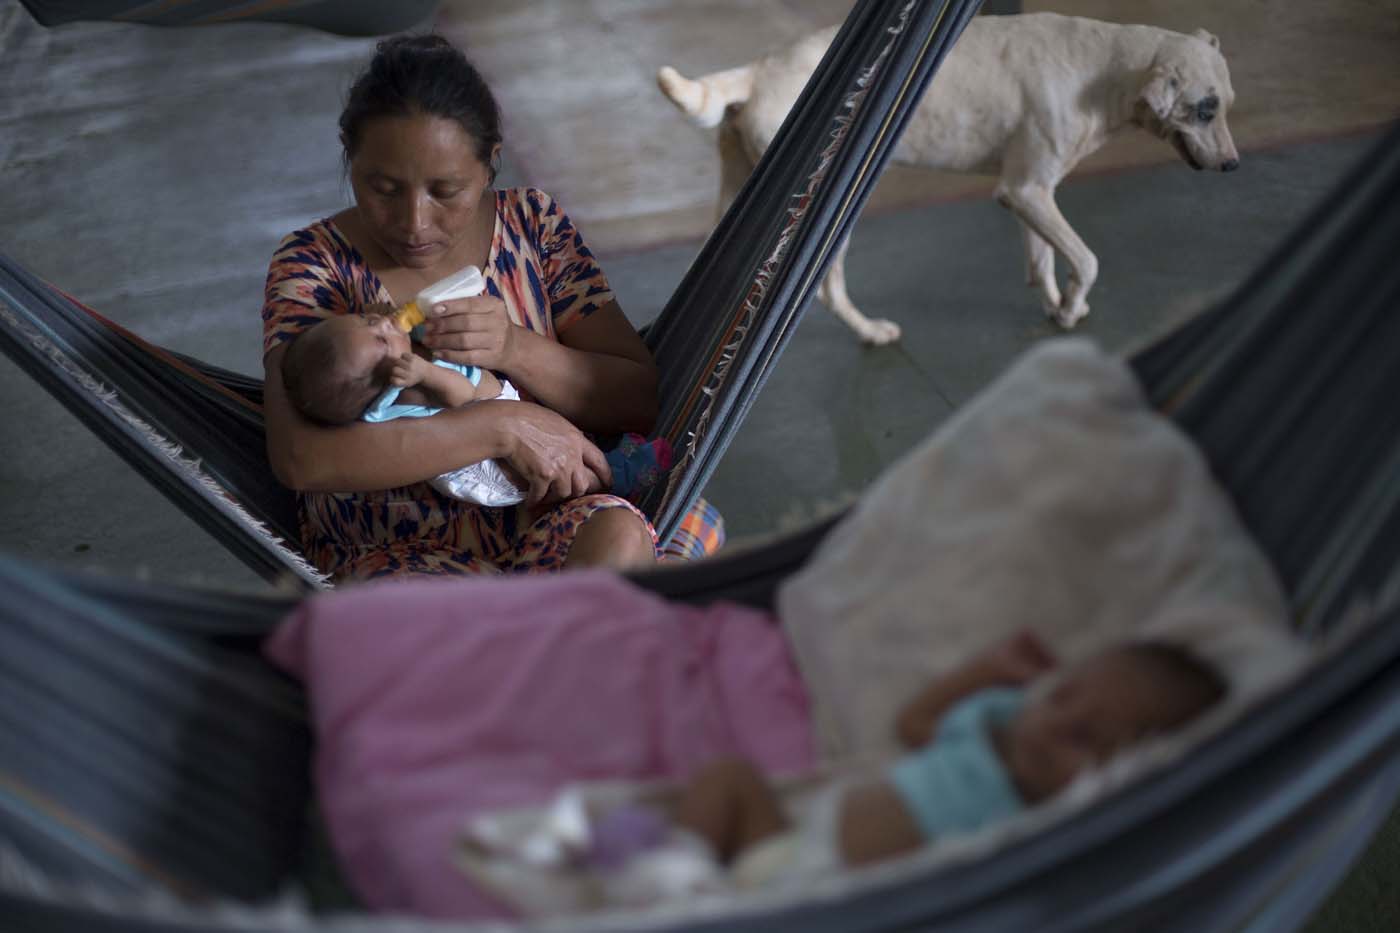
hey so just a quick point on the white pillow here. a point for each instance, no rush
(1057, 499)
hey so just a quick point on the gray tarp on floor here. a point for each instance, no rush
(345, 17)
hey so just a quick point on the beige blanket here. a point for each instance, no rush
(1056, 499)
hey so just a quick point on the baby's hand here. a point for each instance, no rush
(409, 370)
(1018, 659)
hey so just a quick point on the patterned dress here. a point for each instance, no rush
(541, 269)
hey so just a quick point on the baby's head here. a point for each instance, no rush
(334, 369)
(1097, 707)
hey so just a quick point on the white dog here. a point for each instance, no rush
(1026, 97)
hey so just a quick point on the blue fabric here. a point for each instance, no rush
(384, 409)
(635, 464)
(957, 783)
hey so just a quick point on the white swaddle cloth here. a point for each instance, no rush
(484, 482)
(543, 859)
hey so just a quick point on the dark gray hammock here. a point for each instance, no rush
(145, 745)
(195, 430)
(345, 17)
(144, 742)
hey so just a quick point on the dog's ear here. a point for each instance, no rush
(1160, 91)
(1207, 37)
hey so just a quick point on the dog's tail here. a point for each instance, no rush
(705, 99)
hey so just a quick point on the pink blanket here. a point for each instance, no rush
(434, 699)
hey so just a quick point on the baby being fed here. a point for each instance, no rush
(363, 367)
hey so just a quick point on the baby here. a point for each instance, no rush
(362, 367)
(985, 748)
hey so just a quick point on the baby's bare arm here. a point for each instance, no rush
(731, 805)
(450, 388)
(437, 386)
(874, 824)
(1013, 661)
(489, 386)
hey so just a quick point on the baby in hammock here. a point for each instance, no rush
(362, 367)
(984, 747)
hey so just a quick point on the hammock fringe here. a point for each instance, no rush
(188, 467)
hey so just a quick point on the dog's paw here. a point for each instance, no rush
(1069, 316)
(879, 332)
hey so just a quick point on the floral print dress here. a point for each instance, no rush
(548, 279)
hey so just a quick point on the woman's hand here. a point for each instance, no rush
(473, 332)
(598, 373)
(552, 457)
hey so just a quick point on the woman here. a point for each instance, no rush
(422, 140)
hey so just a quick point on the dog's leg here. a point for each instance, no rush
(1034, 205)
(832, 293)
(736, 163)
(1040, 266)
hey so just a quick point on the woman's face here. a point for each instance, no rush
(418, 186)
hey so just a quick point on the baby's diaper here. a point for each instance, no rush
(484, 483)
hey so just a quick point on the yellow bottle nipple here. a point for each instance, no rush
(409, 317)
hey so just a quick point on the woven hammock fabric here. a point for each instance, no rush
(164, 752)
(177, 755)
(162, 687)
(193, 430)
(809, 186)
(1290, 388)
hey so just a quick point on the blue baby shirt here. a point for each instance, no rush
(384, 409)
(957, 782)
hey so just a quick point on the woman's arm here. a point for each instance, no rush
(599, 374)
(1011, 662)
(551, 456)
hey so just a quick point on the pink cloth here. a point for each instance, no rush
(436, 699)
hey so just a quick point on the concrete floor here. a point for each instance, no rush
(1300, 70)
(151, 173)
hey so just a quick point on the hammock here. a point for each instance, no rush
(344, 17)
(196, 432)
(144, 740)
(154, 745)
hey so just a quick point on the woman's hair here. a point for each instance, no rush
(423, 74)
(317, 382)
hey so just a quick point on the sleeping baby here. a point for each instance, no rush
(985, 744)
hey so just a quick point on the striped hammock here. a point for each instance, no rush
(147, 751)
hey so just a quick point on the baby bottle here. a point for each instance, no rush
(464, 283)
